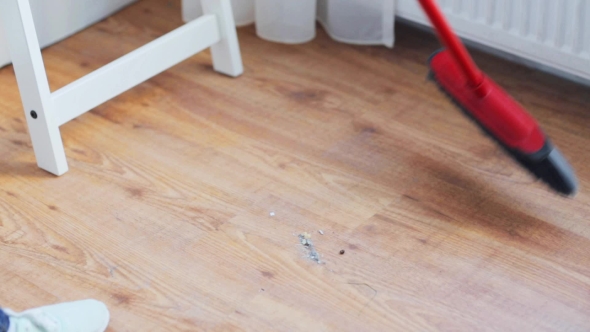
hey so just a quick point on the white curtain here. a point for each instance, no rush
(367, 22)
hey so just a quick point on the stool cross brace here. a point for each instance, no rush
(46, 111)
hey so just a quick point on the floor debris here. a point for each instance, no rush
(272, 214)
(321, 232)
(305, 240)
(342, 252)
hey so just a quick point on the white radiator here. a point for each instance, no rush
(554, 33)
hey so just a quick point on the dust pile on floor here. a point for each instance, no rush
(305, 239)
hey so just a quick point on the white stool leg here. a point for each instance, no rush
(30, 73)
(226, 54)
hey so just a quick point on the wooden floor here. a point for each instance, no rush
(186, 195)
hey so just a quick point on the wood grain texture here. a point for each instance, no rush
(165, 213)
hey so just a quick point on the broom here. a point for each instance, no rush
(493, 110)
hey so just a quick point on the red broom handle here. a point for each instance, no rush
(452, 42)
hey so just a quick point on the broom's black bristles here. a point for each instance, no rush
(547, 164)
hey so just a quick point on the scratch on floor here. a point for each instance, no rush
(370, 300)
(111, 267)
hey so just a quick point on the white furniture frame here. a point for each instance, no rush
(46, 111)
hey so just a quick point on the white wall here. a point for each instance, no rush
(57, 19)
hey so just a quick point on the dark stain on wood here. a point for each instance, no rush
(366, 128)
(135, 192)
(423, 241)
(411, 198)
(490, 213)
(122, 298)
(79, 151)
(369, 130)
(60, 248)
(19, 142)
(307, 95)
(138, 126)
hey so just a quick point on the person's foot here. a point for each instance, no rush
(79, 316)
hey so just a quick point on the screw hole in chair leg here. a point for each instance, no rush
(33, 114)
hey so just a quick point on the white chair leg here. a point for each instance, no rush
(30, 73)
(226, 54)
